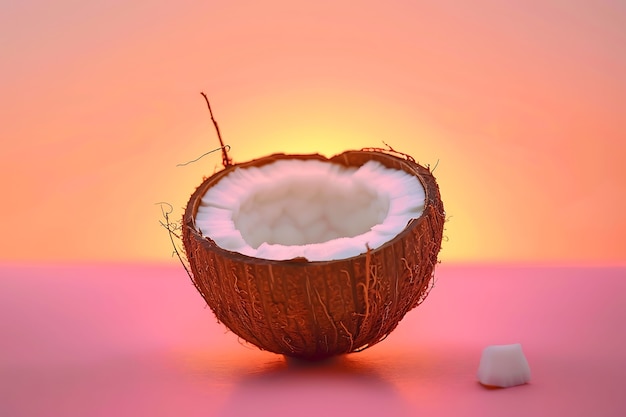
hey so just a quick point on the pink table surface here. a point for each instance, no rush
(137, 340)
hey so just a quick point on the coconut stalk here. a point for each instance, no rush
(316, 309)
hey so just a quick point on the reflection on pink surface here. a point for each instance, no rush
(131, 340)
(336, 387)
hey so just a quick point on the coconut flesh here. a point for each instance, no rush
(309, 209)
(503, 366)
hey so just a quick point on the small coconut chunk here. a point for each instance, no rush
(309, 208)
(503, 366)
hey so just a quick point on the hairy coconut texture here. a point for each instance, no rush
(313, 310)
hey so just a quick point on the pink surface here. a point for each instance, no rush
(133, 340)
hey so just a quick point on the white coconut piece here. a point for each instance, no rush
(503, 366)
(309, 208)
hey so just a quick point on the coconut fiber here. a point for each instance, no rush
(313, 310)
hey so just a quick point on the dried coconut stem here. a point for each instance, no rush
(390, 150)
(171, 232)
(227, 148)
(226, 160)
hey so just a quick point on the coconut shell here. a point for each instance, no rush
(313, 310)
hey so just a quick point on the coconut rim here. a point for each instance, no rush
(405, 164)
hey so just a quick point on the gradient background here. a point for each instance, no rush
(521, 105)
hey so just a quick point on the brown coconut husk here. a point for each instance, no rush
(313, 310)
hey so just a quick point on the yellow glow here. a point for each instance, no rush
(521, 110)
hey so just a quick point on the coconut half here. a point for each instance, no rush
(312, 257)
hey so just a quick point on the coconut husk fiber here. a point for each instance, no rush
(314, 310)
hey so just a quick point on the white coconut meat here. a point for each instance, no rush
(309, 208)
(503, 366)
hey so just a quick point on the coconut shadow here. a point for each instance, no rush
(334, 386)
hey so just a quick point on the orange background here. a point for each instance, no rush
(519, 104)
